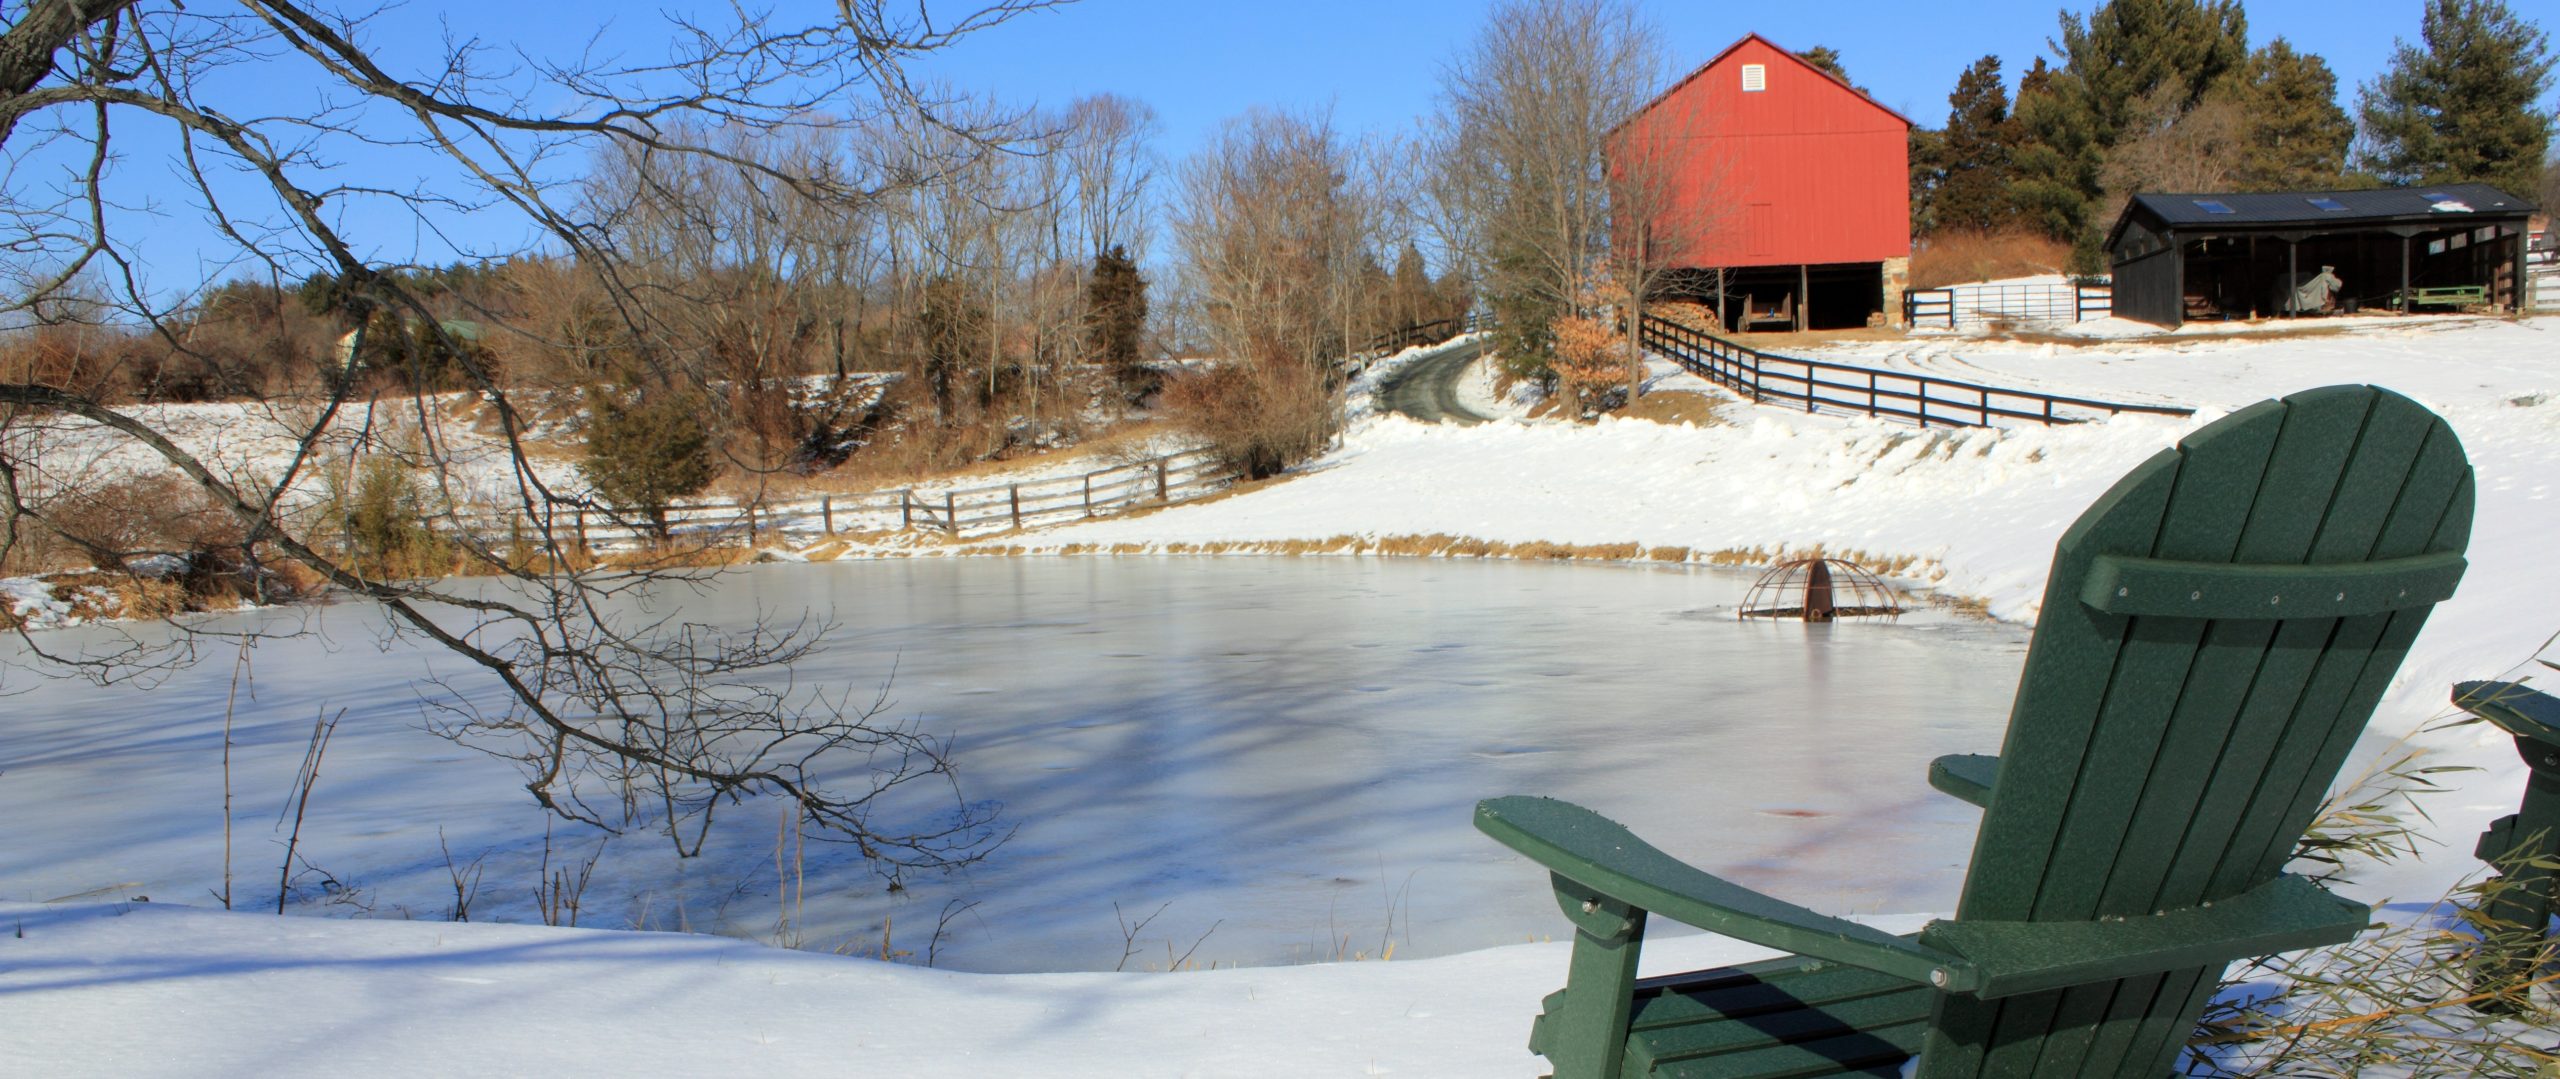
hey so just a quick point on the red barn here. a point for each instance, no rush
(1792, 184)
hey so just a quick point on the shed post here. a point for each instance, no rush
(2522, 290)
(2177, 279)
(2402, 300)
(2292, 279)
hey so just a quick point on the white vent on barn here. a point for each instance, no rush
(1755, 78)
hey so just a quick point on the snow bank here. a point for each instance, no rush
(138, 990)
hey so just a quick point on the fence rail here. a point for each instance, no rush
(955, 511)
(1921, 399)
(1974, 305)
(1425, 333)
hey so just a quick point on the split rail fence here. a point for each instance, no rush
(1921, 399)
(952, 511)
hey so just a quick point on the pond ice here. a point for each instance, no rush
(1280, 755)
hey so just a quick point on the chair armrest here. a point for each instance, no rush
(1966, 775)
(2282, 915)
(1598, 854)
(2515, 708)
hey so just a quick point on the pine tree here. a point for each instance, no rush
(1928, 156)
(2046, 161)
(2114, 64)
(2466, 106)
(1976, 152)
(2128, 48)
(642, 457)
(2298, 135)
(1115, 314)
(1828, 59)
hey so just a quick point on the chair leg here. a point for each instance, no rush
(1587, 1038)
(2522, 902)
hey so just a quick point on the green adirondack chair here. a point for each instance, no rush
(2215, 632)
(2524, 845)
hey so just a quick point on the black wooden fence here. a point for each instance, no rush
(1814, 384)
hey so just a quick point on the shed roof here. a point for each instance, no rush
(2329, 209)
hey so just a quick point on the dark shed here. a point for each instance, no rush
(2233, 255)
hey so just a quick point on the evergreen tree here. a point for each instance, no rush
(2466, 107)
(1115, 314)
(1928, 156)
(1828, 59)
(2298, 135)
(2047, 187)
(2114, 63)
(1976, 152)
(2129, 48)
(642, 457)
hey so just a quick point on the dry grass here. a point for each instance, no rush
(1953, 257)
(1679, 406)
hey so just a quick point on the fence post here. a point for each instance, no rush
(751, 524)
(950, 514)
(1088, 494)
(906, 508)
(582, 534)
(1014, 493)
(1163, 476)
(1871, 393)
(1923, 406)
(827, 512)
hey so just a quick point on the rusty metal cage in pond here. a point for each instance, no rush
(1819, 590)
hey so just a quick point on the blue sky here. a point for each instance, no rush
(1373, 63)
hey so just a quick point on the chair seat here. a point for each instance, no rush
(1779, 1018)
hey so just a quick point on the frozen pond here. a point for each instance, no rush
(1279, 755)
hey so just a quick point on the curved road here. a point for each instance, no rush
(1427, 388)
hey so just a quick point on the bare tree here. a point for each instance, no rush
(1112, 167)
(1520, 153)
(1274, 224)
(2171, 146)
(589, 697)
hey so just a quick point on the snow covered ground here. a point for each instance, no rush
(139, 989)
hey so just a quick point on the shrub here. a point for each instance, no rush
(1955, 256)
(1258, 418)
(643, 456)
(385, 524)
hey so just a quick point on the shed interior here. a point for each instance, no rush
(2245, 276)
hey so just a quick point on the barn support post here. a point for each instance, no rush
(1804, 296)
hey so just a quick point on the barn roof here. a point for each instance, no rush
(2329, 209)
(1781, 50)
